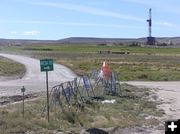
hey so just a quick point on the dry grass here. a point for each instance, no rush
(143, 63)
(130, 109)
(9, 68)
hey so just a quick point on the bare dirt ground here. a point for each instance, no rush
(168, 94)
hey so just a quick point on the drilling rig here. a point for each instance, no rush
(150, 39)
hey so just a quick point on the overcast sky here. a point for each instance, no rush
(57, 19)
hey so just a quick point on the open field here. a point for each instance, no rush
(133, 108)
(143, 63)
(75, 48)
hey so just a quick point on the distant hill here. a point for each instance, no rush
(25, 41)
(88, 40)
(81, 40)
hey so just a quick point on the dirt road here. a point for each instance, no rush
(168, 93)
(34, 80)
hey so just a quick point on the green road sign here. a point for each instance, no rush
(23, 89)
(46, 65)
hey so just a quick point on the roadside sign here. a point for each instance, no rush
(86, 82)
(46, 65)
(23, 89)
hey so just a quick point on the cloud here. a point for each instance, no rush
(89, 10)
(166, 24)
(13, 32)
(166, 6)
(145, 2)
(102, 25)
(32, 33)
(80, 24)
(85, 24)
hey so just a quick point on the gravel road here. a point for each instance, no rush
(168, 92)
(34, 79)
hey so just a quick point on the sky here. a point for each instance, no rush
(58, 19)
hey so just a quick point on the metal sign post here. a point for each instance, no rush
(47, 65)
(47, 87)
(23, 90)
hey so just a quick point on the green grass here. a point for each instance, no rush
(10, 68)
(143, 63)
(129, 110)
(75, 48)
(95, 49)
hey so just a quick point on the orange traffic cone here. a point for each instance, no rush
(106, 71)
